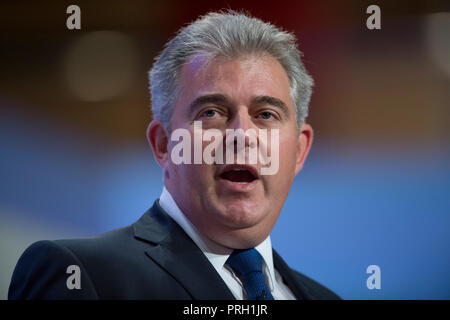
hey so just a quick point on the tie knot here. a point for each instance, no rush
(246, 261)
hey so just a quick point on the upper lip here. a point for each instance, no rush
(229, 167)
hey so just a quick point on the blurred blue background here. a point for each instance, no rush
(375, 188)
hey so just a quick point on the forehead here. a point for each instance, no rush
(240, 79)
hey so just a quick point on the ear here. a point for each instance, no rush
(158, 140)
(304, 142)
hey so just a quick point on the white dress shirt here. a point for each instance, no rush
(218, 255)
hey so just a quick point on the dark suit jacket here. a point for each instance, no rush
(151, 259)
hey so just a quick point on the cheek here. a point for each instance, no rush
(287, 162)
(288, 149)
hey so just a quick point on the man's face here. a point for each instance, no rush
(236, 209)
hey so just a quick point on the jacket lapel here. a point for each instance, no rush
(179, 255)
(288, 276)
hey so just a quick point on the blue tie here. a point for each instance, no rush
(247, 264)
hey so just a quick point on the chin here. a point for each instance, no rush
(241, 225)
(241, 214)
(242, 238)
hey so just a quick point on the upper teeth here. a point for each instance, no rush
(239, 169)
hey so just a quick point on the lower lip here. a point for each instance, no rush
(239, 187)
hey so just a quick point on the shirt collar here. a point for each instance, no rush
(215, 253)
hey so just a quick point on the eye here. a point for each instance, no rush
(209, 113)
(266, 115)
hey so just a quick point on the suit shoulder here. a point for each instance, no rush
(315, 289)
(111, 240)
(41, 273)
(45, 252)
(96, 253)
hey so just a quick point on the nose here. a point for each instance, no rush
(240, 125)
(241, 120)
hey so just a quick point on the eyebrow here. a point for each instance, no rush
(215, 98)
(263, 100)
(220, 99)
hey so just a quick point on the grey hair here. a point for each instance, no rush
(233, 35)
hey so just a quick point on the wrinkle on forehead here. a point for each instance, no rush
(208, 72)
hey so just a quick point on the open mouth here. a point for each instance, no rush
(240, 175)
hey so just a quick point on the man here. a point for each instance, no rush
(208, 236)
